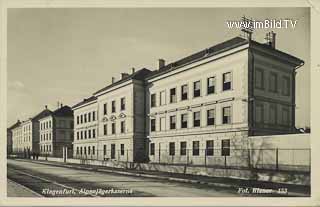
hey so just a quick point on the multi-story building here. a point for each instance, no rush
(11, 139)
(203, 105)
(85, 142)
(17, 138)
(121, 124)
(56, 132)
(210, 102)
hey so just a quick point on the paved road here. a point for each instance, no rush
(53, 181)
(16, 190)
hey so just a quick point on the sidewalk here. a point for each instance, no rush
(17, 190)
(295, 190)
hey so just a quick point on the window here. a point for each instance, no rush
(226, 115)
(113, 106)
(184, 92)
(93, 150)
(273, 114)
(81, 118)
(77, 150)
(81, 133)
(183, 148)
(286, 86)
(151, 148)
(173, 95)
(162, 98)
(210, 117)
(89, 150)
(196, 89)
(105, 129)
(104, 149)
(123, 104)
(162, 123)
(153, 125)
(85, 134)
(226, 81)
(93, 116)
(184, 120)
(85, 150)
(171, 148)
(196, 119)
(259, 113)
(172, 122)
(93, 133)
(195, 148)
(85, 118)
(113, 130)
(104, 109)
(259, 78)
(273, 82)
(211, 82)
(225, 147)
(80, 150)
(209, 147)
(123, 126)
(89, 116)
(285, 116)
(153, 100)
(78, 120)
(122, 149)
(78, 135)
(89, 133)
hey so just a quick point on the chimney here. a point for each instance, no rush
(113, 80)
(273, 40)
(61, 105)
(162, 63)
(123, 75)
(46, 106)
(133, 70)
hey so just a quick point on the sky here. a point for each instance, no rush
(65, 55)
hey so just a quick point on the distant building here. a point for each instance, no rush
(56, 132)
(11, 138)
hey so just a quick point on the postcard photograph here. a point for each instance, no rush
(158, 102)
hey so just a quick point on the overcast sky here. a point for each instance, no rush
(67, 54)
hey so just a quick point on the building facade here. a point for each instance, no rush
(207, 104)
(85, 144)
(56, 132)
(201, 108)
(12, 138)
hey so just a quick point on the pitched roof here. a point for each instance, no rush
(15, 125)
(63, 111)
(214, 50)
(86, 100)
(138, 75)
(42, 114)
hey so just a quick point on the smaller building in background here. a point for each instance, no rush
(10, 137)
(56, 132)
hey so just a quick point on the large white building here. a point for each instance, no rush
(204, 105)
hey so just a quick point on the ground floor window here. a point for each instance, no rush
(183, 148)
(151, 148)
(122, 149)
(195, 148)
(225, 147)
(172, 148)
(209, 148)
(104, 149)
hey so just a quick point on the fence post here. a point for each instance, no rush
(249, 158)
(225, 161)
(127, 155)
(159, 153)
(277, 159)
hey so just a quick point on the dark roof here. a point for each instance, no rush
(214, 50)
(63, 111)
(42, 114)
(139, 75)
(15, 125)
(86, 100)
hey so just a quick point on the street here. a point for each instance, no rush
(53, 181)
